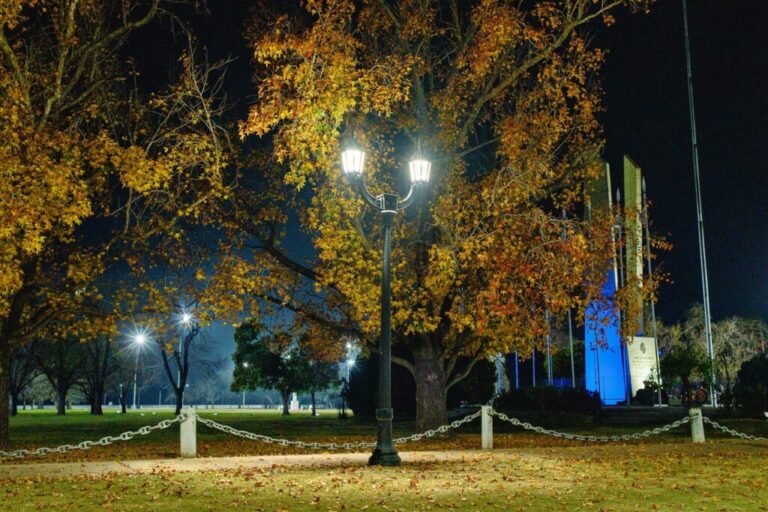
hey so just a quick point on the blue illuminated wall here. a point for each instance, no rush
(604, 356)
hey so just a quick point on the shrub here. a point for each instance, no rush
(751, 390)
(649, 395)
(549, 400)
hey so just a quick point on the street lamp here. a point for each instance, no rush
(140, 338)
(353, 160)
(186, 320)
(245, 365)
(350, 364)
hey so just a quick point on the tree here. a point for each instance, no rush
(23, 371)
(269, 360)
(321, 375)
(502, 95)
(751, 391)
(122, 379)
(99, 365)
(61, 361)
(40, 391)
(82, 141)
(736, 340)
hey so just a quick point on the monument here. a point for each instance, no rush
(604, 360)
(614, 367)
(294, 402)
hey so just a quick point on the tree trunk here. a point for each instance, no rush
(61, 402)
(285, 397)
(431, 392)
(123, 408)
(179, 399)
(96, 400)
(314, 409)
(14, 404)
(5, 379)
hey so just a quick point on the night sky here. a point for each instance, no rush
(646, 117)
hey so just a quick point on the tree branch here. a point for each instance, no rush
(462, 375)
(405, 364)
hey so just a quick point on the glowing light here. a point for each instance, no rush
(352, 160)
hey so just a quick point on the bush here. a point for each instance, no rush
(550, 400)
(649, 395)
(751, 390)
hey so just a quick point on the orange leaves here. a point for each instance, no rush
(499, 30)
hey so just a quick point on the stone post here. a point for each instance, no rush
(188, 431)
(486, 428)
(697, 425)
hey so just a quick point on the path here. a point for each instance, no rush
(67, 469)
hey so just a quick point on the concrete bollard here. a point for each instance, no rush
(697, 425)
(486, 428)
(188, 433)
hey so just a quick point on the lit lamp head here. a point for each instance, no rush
(245, 365)
(352, 160)
(186, 318)
(140, 338)
(350, 362)
(420, 168)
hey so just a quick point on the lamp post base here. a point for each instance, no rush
(385, 453)
(381, 457)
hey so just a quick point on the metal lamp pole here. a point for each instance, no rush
(388, 205)
(139, 339)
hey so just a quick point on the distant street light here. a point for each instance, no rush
(350, 364)
(245, 365)
(140, 339)
(186, 320)
(353, 159)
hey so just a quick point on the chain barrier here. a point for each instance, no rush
(127, 436)
(594, 439)
(282, 442)
(439, 430)
(104, 441)
(732, 432)
(333, 446)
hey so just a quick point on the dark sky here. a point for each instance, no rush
(646, 117)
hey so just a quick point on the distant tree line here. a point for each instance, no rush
(739, 344)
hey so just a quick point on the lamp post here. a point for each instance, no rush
(350, 364)
(388, 205)
(185, 321)
(139, 339)
(245, 365)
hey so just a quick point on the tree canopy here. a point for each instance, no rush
(503, 97)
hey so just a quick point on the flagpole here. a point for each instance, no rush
(699, 214)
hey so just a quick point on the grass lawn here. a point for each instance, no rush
(675, 477)
(44, 428)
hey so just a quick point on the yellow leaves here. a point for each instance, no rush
(502, 97)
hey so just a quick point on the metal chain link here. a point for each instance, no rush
(732, 432)
(595, 439)
(282, 442)
(104, 441)
(332, 446)
(439, 430)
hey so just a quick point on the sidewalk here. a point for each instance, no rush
(135, 467)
